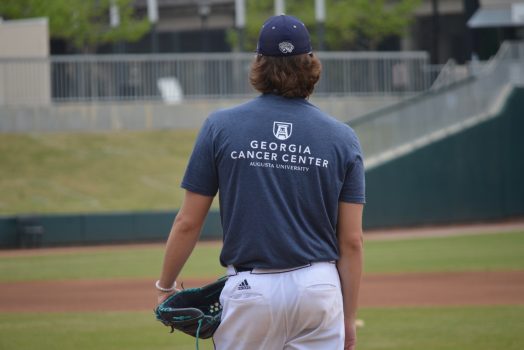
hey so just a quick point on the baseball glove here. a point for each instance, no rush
(194, 311)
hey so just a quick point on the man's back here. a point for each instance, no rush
(281, 165)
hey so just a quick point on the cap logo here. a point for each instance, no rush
(286, 47)
(282, 130)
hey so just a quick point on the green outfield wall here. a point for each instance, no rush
(474, 175)
(87, 229)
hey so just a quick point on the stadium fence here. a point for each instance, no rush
(174, 77)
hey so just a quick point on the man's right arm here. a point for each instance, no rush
(349, 265)
(183, 237)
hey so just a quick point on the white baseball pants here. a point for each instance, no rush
(274, 310)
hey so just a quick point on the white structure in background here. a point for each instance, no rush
(280, 7)
(24, 41)
(240, 21)
(240, 13)
(114, 14)
(517, 13)
(320, 11)
(171, 90)
(152, 11)
(498, 14)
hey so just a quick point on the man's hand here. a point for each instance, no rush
(161, 296)
(351, 334)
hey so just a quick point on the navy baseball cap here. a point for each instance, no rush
(283, 36)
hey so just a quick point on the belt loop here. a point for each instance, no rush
(231, 271)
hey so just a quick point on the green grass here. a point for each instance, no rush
(503, 251)
(442, 328)
(88, 331)
(456, 253)
(92, 172)
(446, 328)
(107, 263)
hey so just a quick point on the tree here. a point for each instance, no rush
(378, 19)
(369, 21)
(85, 23)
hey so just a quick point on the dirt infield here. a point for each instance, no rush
(430, 289)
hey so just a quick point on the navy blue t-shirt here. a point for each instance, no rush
(281, 166)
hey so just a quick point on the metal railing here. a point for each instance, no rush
(395, 130)
(172, 77)
(450, 74)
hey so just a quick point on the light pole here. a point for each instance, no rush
(204, 9)
(320, 18)
(436, 31)
(280, 7)
(152, 14)
(240, 21)
(114, 22)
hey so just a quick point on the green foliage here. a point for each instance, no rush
(370, 21)
(84, 23)
(378, 19)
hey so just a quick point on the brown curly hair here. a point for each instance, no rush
(290, 77)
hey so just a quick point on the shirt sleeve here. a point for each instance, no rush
(201, 174)
(353, 188)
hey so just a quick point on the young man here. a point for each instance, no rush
(291, 182)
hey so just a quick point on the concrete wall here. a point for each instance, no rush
(22, 84)
(147, 115)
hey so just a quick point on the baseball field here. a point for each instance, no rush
(456, 289)
(453, 289)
